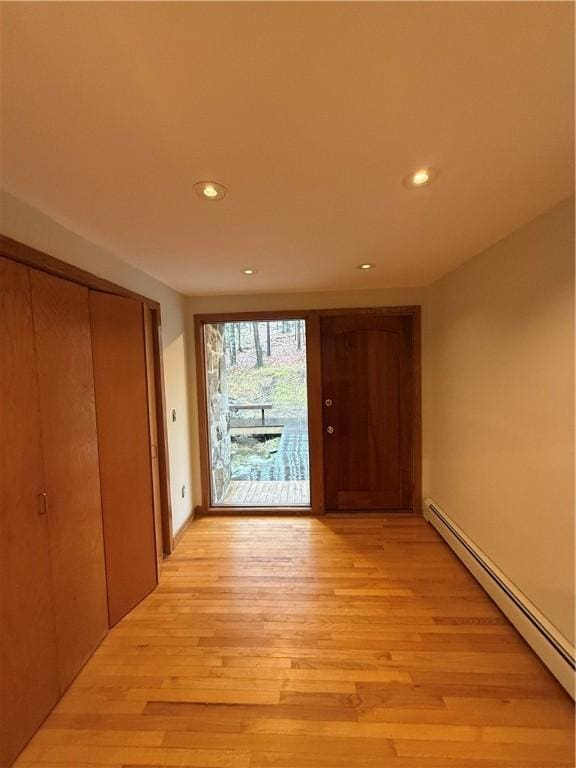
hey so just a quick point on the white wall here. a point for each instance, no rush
(28, 225)
(499, 407)
(197, 305)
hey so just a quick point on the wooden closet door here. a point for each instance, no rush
(153, 427)
(124, 446)
(70, 446)
(28, 659)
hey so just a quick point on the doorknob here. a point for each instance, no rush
(328, 402)
(330, 430)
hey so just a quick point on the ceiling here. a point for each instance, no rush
(310, 113)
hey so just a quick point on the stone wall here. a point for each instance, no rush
(218, 413)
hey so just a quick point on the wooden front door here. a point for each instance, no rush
(368, 394)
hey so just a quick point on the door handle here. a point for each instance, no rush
(42, 508)
(154, 451)
(330, 430)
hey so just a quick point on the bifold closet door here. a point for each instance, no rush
(61, 313)
(124, 447)
(153, 427)
(29, 685)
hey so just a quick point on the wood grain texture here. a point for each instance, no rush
(70, 448)
(124, 449)
(163, 458)
(153, 426)
(333, 642)
(25, 254)
(315, 436)
(267, 493)
(368, 381)
(29, 684)
(203, 427)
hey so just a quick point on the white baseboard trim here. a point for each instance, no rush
(547, 642)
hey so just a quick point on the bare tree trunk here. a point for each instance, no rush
(299, 334)
(268, 341)
(258, 346)
(239, 329)
(232, 343)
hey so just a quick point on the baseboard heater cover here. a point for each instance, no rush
(547, 642)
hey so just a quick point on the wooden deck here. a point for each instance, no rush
(296, 642)
(267, 493)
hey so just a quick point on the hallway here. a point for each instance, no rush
(336, 642)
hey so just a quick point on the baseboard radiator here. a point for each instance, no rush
(547, 642)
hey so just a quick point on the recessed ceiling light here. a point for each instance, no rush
(420, 178)
(248, 271)
(366, 266)
(210, 190)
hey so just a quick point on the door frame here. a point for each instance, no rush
(31, 257)
(314, 387)
(314, 392)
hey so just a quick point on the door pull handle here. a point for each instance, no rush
(42, 508)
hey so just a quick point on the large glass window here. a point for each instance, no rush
(256, 385)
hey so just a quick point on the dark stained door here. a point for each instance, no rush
(368, 411)
(119, 353)
(29, 685)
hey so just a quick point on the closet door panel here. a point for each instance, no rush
(69, 437)
(28, 658)
(153, 426)
(124, 447)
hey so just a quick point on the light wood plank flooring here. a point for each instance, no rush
(342, 642)
(263, 493)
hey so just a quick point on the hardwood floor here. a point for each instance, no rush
(341, 642)
(262, 493)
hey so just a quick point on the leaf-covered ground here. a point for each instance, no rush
(282, 378)
(281, 381)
